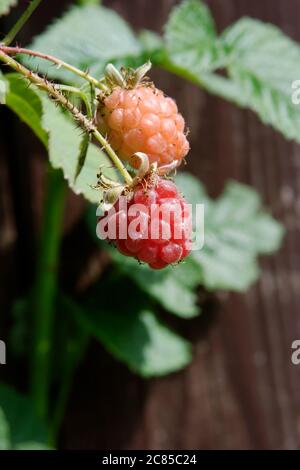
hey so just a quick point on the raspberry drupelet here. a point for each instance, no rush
(157, 223)
(142, 119)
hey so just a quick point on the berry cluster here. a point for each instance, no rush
(157, 224)
(142, 119)
(145, 129)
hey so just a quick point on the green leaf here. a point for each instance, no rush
(191, 39)
(151, 41)
(4, 432)
(91, 101)
(59, 134)
(91, 35)
(253, 49)
(250, 50)
(236, 232)
(83, 150)
(26, 104)
(194, 56)
(6, 5)
(172, 288)
(63, 146)
(128, 328)
(192, 189)
(3, 88)
(32, 446)
(23, 423)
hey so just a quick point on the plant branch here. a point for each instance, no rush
(211, 82)
(81, 94)
(45, 289)
(21, 21)
(56, 61)
(53, 91)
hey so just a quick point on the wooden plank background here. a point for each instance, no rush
(241, 390)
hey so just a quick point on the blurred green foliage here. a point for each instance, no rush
(122, 309)
(20, 428)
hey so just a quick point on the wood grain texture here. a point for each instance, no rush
(241, 390)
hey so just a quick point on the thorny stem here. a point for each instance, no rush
(99, 137)
(21, 21)
(53, 91)
(81, 94)
(56, 61)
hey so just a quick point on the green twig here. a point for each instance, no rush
(81, 94)
(21, 21)
(56, 61)
(45, 289)
(211, 82)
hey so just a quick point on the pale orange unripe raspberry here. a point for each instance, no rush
(142, 119)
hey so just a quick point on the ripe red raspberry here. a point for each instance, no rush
(153, 226)
(142, 119)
